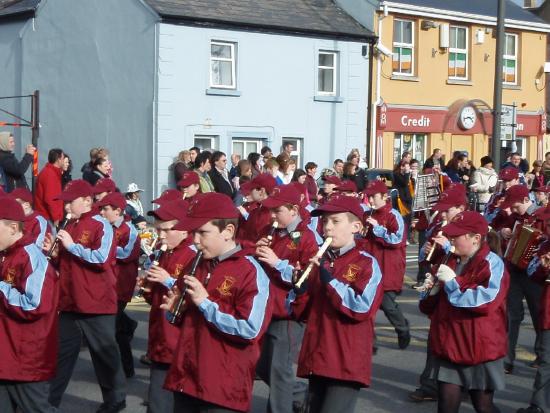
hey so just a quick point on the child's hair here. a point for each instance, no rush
(222, 223)
(270, 163)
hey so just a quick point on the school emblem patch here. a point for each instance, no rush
(178, 270)
(225, 287)
(84, 238)
(352, 272)
(10, 276)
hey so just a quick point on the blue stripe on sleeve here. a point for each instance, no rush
(100, 255)
(43, 228)
(124, 252)
(227, 323)
(30, 300)
(382, 232)
(285, 269)
(359, 303)
(290, 298)
(476, 297)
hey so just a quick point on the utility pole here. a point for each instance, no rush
(497, 98)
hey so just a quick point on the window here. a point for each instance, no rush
(298, 153)
(408, 142)
(206, 141)
(244, 147)
(458, 53)
(327, 73)
(222, 65)
(510, 60)
(403, 47)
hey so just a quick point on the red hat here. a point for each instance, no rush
(451, 197)
(456, 187)
(188, 178)
(23, 194)
(509, 173)
(104, 185)
(516, 193)
(332, 179)
(544, 188)
(75, 189)
(167, 196)
(170, 210)
(347, 186)
(376, 187)
(206, 207)
(115, 199)
(246, 188)
(283, 195)
(467, 222)
(265, 181)
(11, 210)
(340, 203)
(543, 213)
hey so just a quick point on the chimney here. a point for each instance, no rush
(529, 4)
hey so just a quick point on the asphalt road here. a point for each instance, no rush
(395, 372)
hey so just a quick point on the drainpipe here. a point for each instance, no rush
(373, 160)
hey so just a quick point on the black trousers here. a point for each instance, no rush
(541, 387)
(160, 400)
(184, 403)
(331, 396)
(393, 313)
(124, 332)
(99, 331)
(28, 397)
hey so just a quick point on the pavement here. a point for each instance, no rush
(395, 372)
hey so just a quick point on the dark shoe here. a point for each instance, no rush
(145, 360)
(404, 341)
(508, 368)
(535, 364)
(112, 408)
(374, 350)
(421, 395)
(129, 373)
(530, 409)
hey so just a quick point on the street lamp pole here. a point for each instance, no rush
(497, 98)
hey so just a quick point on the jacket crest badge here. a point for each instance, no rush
(352, 272)
(84, 238)
(177, 270)
(10, 276)
(225, 287)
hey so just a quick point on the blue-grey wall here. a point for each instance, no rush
(94, 64)
(277, 83)
(361, 10)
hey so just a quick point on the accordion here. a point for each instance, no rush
(522, 245)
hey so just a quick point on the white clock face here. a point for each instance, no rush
(467, 118)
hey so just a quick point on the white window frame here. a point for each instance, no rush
(412, 150)
(233, 60)
(402, 45)
(298, 152)
(510, 57)
(457, 50)
(334, 68)
(214, 139)
(259, 144)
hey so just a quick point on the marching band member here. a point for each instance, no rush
(340, 305)
(128, 250)
(466, 304)
(509, 177)
(28, 317)
(88, 301)
(163, 336)
(386, 241)
(36, 226)
(522, 210)
(293, 245)
(541, 195)
(104, 187)
(189, 184)
(228, 313)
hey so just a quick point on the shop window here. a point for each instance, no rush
(458, 53)
(409, 142)
(510, 60)
(403, 47)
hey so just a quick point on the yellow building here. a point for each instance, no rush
(433, 79)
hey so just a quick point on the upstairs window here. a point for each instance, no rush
(458, 53)
(510, 60)
(222, 65)
(327, 73)
(403, 47)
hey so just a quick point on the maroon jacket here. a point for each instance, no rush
(340, 312)
(387, 243)
(219, 344)
(87, 279)
(254, 226)
(48, 186)
(312, 188)
(128, 251)
(538, 274)
(163, 336)
(28, 316)
(468, 315)
(36, 227)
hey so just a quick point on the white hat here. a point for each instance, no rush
(133, 188)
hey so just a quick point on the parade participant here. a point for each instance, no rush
(538, 271)
(128, 251)
(163, 336)
(87, 302)
(189, 184)
(330, 182)
(386, 241)
(340, 305)
(167, 196)
(509, 177)
(35, 226)
(104, 187)
(466, 303)
(541, 195)
(346, 188)
(523, 212)
(227, 314)
(28, 317)
(292, 247)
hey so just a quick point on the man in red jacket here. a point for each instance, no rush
(386, 241)
(88, 300)
(228, 313)
(28, 318)
(36, 225)
(48, 186)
